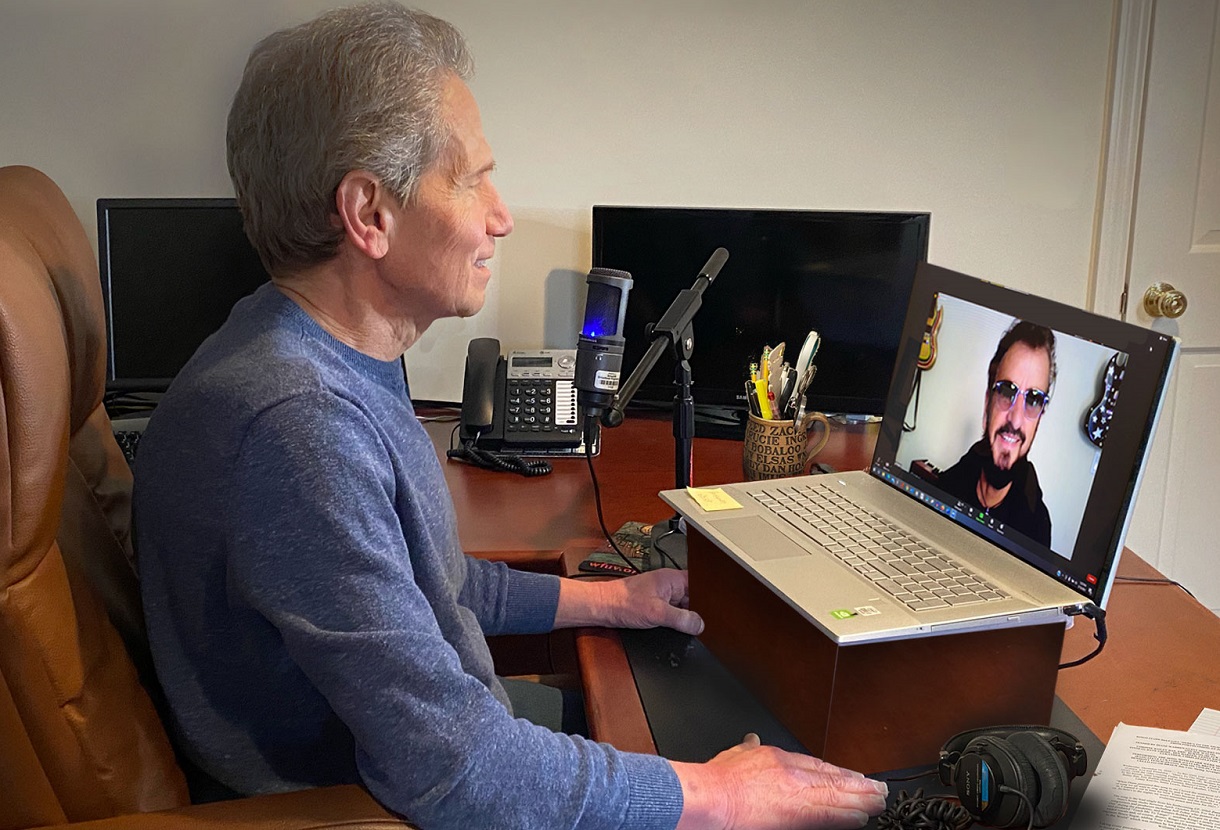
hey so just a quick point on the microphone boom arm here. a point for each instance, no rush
(672, 330)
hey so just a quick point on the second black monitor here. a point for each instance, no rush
(171, 271)
(847, 275)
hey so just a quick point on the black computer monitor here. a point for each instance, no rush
(171, 271)
(847, 275)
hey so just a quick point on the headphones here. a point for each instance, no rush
(1005, 773)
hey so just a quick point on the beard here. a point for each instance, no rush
(997, 477)
(1000, 477)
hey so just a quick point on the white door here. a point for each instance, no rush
(1165, 186)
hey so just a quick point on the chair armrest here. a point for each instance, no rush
(325, 807)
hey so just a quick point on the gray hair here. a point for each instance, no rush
(357, 88)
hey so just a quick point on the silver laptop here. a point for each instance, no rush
(1005, 473)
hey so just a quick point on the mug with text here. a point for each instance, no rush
(777, 449)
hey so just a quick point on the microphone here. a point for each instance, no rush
(599, 351)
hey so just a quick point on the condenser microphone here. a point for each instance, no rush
(599, 351)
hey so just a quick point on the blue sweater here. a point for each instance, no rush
(312, 616)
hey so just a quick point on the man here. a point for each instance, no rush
(312, 616)
(995, 475)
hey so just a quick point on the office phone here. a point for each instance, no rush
(523, 403)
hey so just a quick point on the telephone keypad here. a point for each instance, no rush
(538, 408)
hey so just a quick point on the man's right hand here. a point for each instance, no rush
(755, 787)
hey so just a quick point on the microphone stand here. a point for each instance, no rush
(674, 333)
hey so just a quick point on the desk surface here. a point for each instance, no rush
(1160, 667)
(636, 463)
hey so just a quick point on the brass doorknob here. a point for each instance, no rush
(1163, 300)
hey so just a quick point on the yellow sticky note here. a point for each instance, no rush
(712, 498)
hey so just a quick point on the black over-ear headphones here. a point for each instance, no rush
(1005, 773)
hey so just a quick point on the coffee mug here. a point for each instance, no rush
(776, 449)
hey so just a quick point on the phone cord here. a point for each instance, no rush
(505, 463)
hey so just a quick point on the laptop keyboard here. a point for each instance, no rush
(893, 560)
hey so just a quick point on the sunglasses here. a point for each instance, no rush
(1007, 392)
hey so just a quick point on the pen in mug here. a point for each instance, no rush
(752, 398)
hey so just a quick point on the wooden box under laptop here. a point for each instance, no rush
(869, 706)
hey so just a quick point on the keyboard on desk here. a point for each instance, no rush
(885, 555)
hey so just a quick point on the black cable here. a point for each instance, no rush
(656, 543)
(915, 420)
(914, 812)
(1098, 616)
(129, 403)
(505, 462)
(927, 774)
(1029, 804)
(1148, 580)
(597, 501)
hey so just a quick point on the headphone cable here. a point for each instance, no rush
(1029, 804)
(915, 812)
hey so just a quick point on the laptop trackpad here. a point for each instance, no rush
(758, 539)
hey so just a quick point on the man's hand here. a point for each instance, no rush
(647, 600)
(754, 787)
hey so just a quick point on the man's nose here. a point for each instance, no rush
(499, 219)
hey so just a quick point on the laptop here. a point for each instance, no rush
(1000, 490)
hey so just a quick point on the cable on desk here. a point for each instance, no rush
(597, 501)
(1148, 580)
(914, 812)
(1098, 616)
(661, 550)
(503, 462)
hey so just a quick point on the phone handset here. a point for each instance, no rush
(481, 385)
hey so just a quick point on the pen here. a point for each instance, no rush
(786, 387)
(752, 398)
(764, 406)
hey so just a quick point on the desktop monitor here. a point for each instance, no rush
(845, 274)
(171, 271)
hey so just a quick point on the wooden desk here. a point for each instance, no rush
(1159, 668)
(501, 511)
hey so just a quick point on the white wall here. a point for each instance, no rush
(988, 113)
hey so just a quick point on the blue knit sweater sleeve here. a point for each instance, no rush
(508, 601)
(327, 542)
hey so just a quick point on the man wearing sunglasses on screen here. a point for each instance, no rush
(995, 475)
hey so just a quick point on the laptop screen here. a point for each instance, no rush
(1024, 420)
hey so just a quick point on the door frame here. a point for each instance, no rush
(1130, 52)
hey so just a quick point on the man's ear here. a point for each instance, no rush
(362, 201)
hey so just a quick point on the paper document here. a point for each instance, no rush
(1208, 723)
(1153, 779)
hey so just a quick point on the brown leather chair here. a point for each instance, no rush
(80, 737)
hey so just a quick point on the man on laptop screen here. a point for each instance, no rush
(995, 475)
